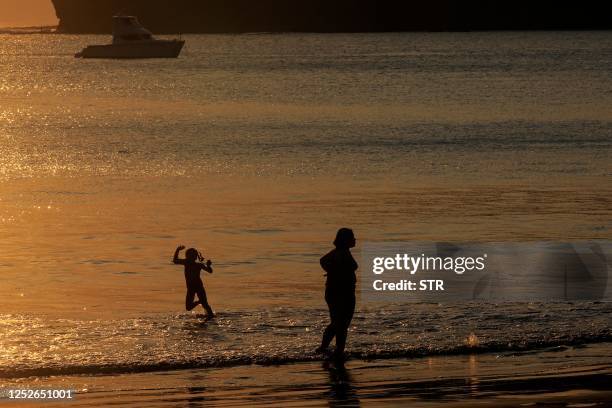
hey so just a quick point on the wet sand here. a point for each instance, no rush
(562, 376)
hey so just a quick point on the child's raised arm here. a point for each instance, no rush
(176, 259)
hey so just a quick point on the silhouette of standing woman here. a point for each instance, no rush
(339, 291)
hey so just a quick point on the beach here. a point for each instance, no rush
(255, 149)
(560, 376)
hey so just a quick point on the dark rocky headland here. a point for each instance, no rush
(237, 16)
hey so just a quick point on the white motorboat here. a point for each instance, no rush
(132, 40)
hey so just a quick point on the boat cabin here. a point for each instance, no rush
(128, 29)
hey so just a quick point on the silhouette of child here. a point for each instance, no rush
(192, 278)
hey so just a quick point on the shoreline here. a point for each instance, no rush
(579, 375)
(354, 357)
(51, 29)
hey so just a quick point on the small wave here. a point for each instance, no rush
(518, 348)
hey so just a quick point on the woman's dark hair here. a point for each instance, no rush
(344, 238)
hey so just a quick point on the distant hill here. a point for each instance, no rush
(28, 30)
(236, 16)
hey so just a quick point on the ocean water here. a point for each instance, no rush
(171, 341)
(255, 149)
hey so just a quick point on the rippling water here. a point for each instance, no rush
(255, 148)
(285, 335)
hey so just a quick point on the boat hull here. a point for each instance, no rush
(155, 49)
